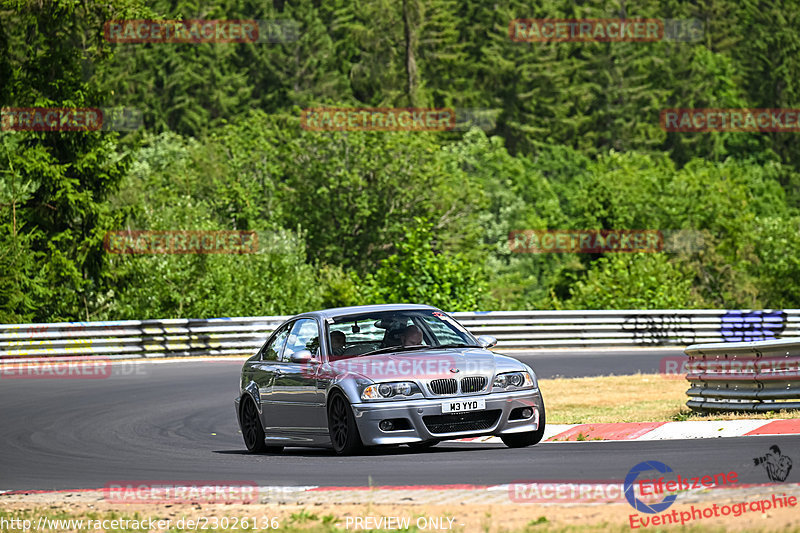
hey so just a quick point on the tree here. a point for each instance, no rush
(59, 221)
(419, 273)
(21, 285)
(356, 193)
(221, 183)
(634, 281)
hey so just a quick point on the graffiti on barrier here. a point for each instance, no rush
(746, 326)
(660, 329)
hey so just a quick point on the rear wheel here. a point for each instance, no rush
(520, 440)
(253, 431)
(342, 426)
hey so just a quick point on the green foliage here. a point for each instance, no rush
(356, 193)
(273, 281)
(55, 185)
(577, 145)
(340, 288)
(181, 184)
(777, 243)
(418, 272)
(22, 286)
(633, 281)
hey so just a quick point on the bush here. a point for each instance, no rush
(633, 281)
(418, 273)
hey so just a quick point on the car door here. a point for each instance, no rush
(263, 372)
(298, 396)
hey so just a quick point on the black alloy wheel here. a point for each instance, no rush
(252, 431)
(342, 426)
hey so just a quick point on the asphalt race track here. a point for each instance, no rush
(176, 421)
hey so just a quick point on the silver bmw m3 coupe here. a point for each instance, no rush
(383, 375)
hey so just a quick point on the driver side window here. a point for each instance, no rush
(273, 350)
(304, 336)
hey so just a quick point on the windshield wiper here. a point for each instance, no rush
(398, 349)
(419, 347)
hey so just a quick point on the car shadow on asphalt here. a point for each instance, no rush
(367, 452)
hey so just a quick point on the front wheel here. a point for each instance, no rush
(342, 426)
(520, 440)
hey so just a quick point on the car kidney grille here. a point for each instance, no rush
(452, 423)
(443, 386)
(473, 384)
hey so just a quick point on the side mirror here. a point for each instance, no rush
(302, 356)
(487, 341)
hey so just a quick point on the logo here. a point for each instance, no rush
(377, 119)
(678, 367)
(167, 491)
(586, 30)
(197, 31)
(585, 241)
(180, 242)
(777, 465)
(638, 504)
(59, 368)
(565, 491)
(399, 367)
(605, 30)
(743, 326)
(51, 119)
(730, 119)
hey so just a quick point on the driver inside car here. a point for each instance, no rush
(412, 336)
(338, 340)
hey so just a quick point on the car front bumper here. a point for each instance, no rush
(428, 423)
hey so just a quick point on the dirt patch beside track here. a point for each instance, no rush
(428, 510)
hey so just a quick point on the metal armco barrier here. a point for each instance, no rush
(541, 329)
(137, 338)
(744, 376)
(513, 330)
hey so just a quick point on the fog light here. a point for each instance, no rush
(386, 425)
(527, 412)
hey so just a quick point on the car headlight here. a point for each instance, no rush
(514, 380)
(382, 391)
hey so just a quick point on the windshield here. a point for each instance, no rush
(364, 334)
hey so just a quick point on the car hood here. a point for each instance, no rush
(425, 365)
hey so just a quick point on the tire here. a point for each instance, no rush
(342, 426)
(521, 440)
(253, 431)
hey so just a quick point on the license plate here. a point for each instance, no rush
(462, 406)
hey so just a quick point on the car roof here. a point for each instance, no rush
(357, 309)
